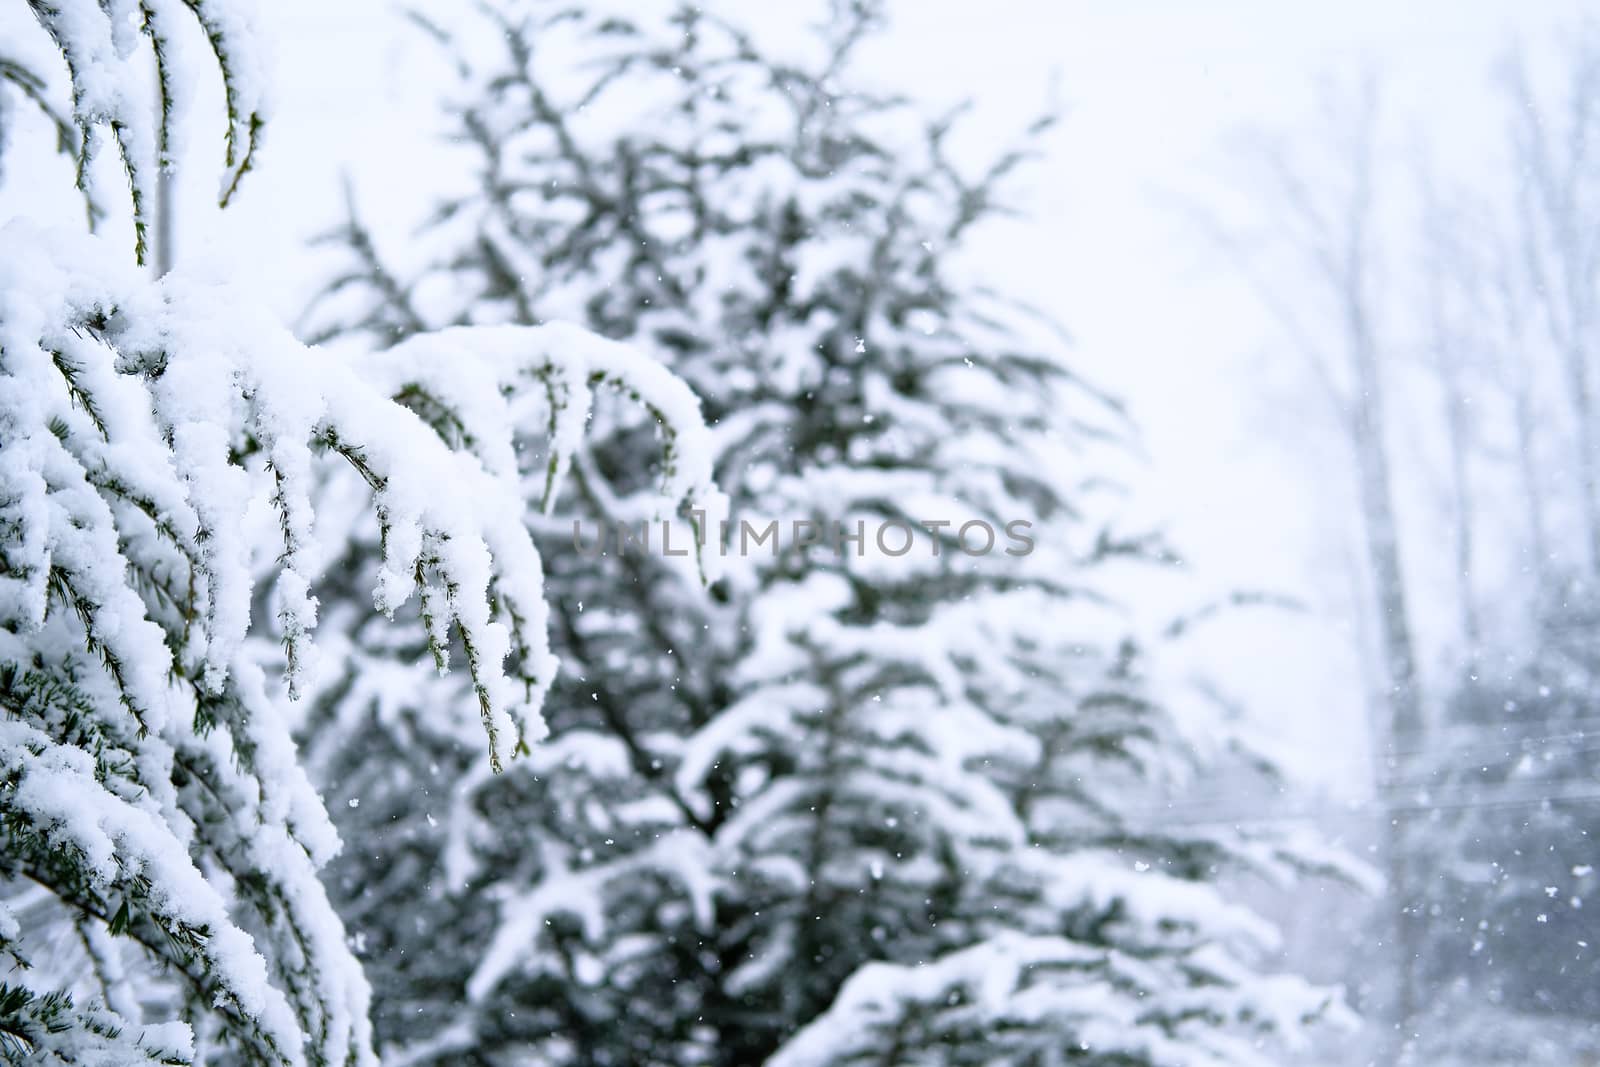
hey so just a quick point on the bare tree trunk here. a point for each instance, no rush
(1333, 235)
(166, 178)
(1517, 378)
(1381, 529)
(1402, 695)
(1576, 361)
(1532, 495)
(1458, 438)
(1561, 251)
(166, 223)
(1449, 271)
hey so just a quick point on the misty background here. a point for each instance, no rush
(1244, 466)
(1152, 229)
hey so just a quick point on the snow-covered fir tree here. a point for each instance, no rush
(1498, 809)
(855, 807)
(160, 442)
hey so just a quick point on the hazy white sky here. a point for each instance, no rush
(1152, 88)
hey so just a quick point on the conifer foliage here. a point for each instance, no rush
(857, 806)
(160, 445)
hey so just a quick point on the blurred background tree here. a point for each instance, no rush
(1465, 303)
(850, 808)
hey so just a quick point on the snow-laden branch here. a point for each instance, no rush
(100, 43)
(174, 404)
(1030, 997)
(493, 377)
(143, 427)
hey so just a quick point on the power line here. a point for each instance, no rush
(1505, 738)
(1373, 807)
(1449, 778)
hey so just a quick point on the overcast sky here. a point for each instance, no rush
(1151, 90)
